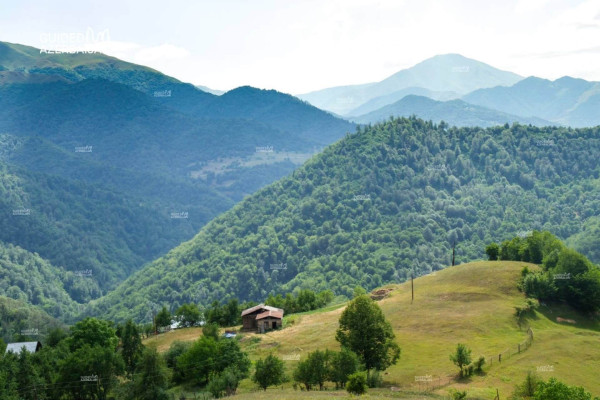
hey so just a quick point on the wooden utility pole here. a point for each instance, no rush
(154, 321)
(453, 252)
(412, 286)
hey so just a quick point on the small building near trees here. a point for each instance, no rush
(32, 347)
(262, 318)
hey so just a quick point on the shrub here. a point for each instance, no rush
(492, 251)
(291, 320)
(357, 383)
(374, 380)
(342, 365)
(314, 370)
(556, 390)
(527, 388)
(479, 364)
(469, 370)
(456, 395)
(539, 285)
(224, 383)
(177, 349)
(211, 330)
(269, 372)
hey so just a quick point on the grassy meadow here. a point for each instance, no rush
(471, 303)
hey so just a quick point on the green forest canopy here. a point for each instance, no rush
(387, 200)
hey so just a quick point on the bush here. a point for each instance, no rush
(374, 380)
(469, 370)
(268, 372)
(539, 285)
(291, 320)
(479, 364)
(224, 383)
(342, 365)
(527, 388)
(357, 383)
(314, 370)
(492, 251)
(177, 349)
(188, 315)
(583, 292)
(556, 390)
(211, 330)
(456, 395)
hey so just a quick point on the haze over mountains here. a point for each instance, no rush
(565, 101)
(506, 97)
(444, 77)
(454, 112)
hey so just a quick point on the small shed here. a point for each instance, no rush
(32, 347)
(262, 318)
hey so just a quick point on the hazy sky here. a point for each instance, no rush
(303, 45)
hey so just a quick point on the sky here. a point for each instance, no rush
(297, 46)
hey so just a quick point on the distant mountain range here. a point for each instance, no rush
(453, 112)
(506, 97)
(447, 76)
(565, 101)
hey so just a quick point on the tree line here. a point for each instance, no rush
(229, 313)
(566, 274)
(96, 359)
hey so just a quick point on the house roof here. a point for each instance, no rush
(31, 347)
(260, 307)
(271, 313)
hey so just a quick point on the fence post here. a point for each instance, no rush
(500, 357)
(519, 348)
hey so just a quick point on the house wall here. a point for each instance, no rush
(249, 321)
(267, 324)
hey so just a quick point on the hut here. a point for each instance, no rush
(262, 318)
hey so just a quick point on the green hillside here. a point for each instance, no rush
(587, 240)
(78, 225)
(383, 202)
(28, 278)
(471, 303)
(21, 321)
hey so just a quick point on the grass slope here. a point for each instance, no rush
(470, 303)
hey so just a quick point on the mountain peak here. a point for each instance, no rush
(447, 73)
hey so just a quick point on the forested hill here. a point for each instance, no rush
(77, 226)
(372, 207)
(29, 279)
